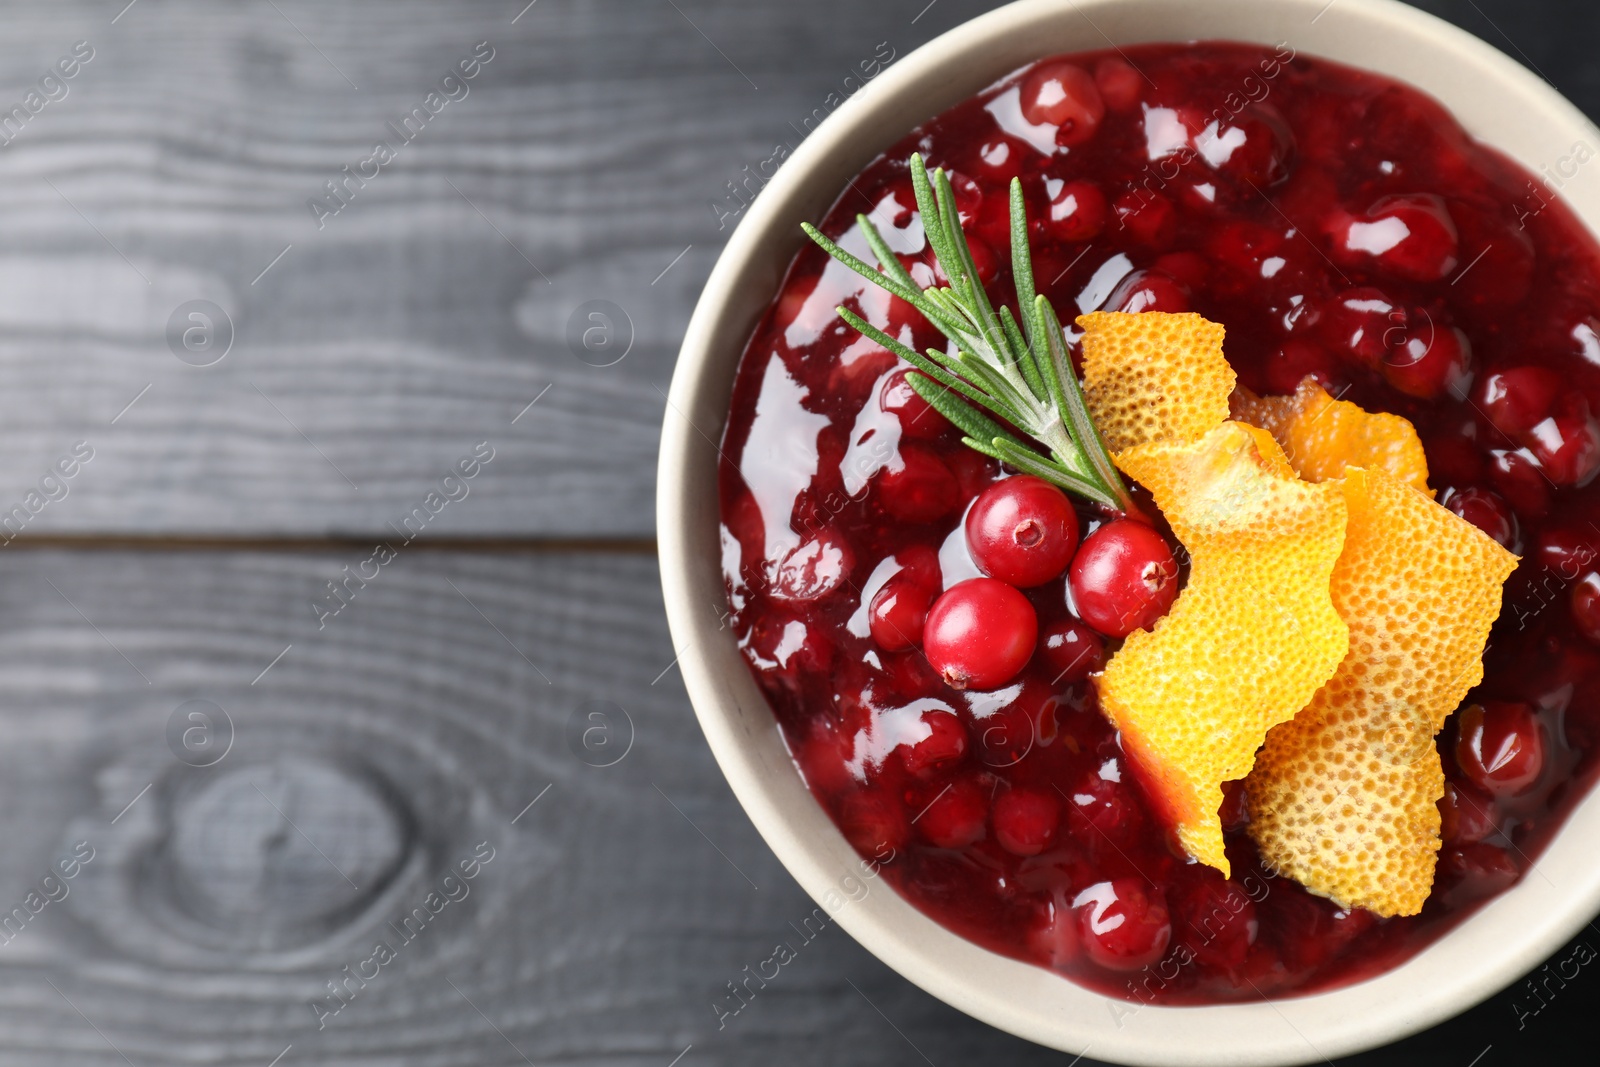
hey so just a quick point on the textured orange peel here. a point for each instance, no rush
(1252, 636)
(1343, 798)
(1322, 436)
(1154, 376)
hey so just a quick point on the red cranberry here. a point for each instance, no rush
(1520, 479)
(898, 611)
(1568, 551)
(980, 634)
(1517, 400)
(1234, 811)
(1001, 158)
(1101, 799)
(1585, 604)
(782, 642)
(1500, 747)
(1124, 924)
(1188, 268)
(942, 748)
(1297, 359)
(1217, 918)
(873, 822)
(1567, 445)
(1008, 723)
(1430, 362)
(1148, 290)
(1363, 324)
(814, 569)
(1255, 146)
(1073, 651)
(1149, 217)
(955, 817)
(918, 418)
(1471, 872)
(1025, 821)
(1063, 95)
(1078, 210)
(1119, 83)
(1488, 511)
(1465, 814)
(921, 563)
(1022, 530)
(1124, 578)
(1410, 236)
(920, 489)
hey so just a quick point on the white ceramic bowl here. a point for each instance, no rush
(1500, 103)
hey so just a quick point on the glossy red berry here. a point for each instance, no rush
(873, 822)
(917, 486)
(1124, 924)
(1517, 400)
(1297, 359)
(1025, 821)
(1488, 511)
(1105, 814)
(1254, 146)
(1363, 324)
(1409, 236)
(918, 419)
(1073, 650)
(1063, 95)
(980, 634)
(898, 611)
(1585, 605)
(1120, 84)
(1567, 444)
(1124, 578)
(1149, 290)
(1149, 217)
(941, 748)
(1022, 530)
(1518, 477)
(955, 817)
(1466, 814)
(1078, 209)
(1569, 550)
(1431, 361)
(1500, 747)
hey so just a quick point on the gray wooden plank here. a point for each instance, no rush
(424, 316)
(373, 756)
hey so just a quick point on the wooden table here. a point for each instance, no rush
(256, 381)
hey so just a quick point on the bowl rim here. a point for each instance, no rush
(1496, 99)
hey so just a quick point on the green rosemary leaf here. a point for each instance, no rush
(1076, 412)
(1030, 462)
(928, 207)
(916, 359)
(968, 419)
(1022, 259)
(1001, 367)
(908, 293)
(1020, 355)
(886, 258)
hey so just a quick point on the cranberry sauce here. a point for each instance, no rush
(1339, 225)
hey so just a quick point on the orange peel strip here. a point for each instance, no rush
(1343, 798)
(1322, 436)
(1154, 377)
(1251, 638)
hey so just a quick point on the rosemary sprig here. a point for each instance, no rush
(1017, 372)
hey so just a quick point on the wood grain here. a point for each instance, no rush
(425, 315)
